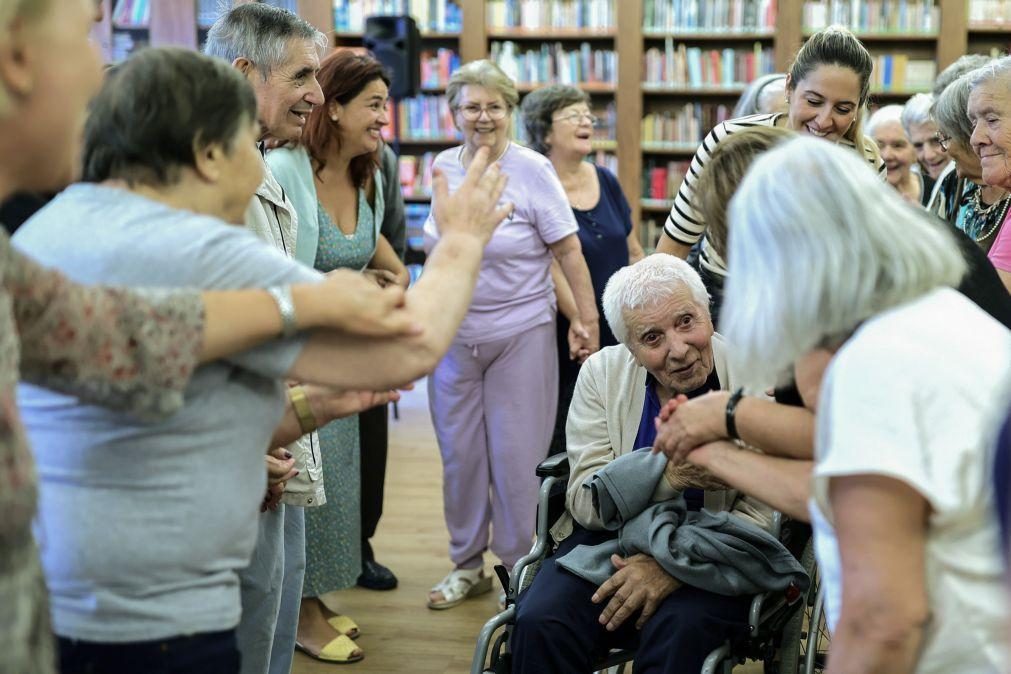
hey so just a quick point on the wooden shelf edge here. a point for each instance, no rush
(656, 205)
(672, 148)
(498, 33)
(649, 88)
(687, 35)
(991, 29)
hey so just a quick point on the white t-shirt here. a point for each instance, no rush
(916, 395)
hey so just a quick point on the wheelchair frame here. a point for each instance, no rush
(776, 622)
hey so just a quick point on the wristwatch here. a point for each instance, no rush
(300, 403)
(735, 398)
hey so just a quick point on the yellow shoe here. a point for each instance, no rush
(344, 625)
(340, 651)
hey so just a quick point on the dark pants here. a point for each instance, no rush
(373, 429)
(207, 653)
(557, 630)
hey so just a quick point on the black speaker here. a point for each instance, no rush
(395, 42)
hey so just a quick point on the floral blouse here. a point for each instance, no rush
(133, 351)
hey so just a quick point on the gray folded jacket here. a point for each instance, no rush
(711, 551)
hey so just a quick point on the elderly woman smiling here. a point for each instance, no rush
(982, 208)
(493, 396)
(659, 309)
(989, 109)
(560, 126)
(899, 155)
(915, 378)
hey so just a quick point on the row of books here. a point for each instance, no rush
(133, 13)
(718, 16)
(416, 174)
(873, 16)
(989, 12)
(695, 67)
(425, 117)
(662, 181)
(440, 16)
(540, 15)
(684, 125)
(555, 63)
(437, 66)
(898, 72)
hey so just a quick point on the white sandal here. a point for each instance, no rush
(459, 585)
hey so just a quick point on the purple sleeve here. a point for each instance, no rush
(1000, 252)
(553, 215)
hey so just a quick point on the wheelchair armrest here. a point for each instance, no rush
(556, 465)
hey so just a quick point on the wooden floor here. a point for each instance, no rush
(399, 634)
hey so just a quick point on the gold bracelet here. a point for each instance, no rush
(300, 403)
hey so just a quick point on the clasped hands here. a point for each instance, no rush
(685, 427)
(584, 340)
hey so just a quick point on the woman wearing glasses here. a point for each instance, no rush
(559, 124)
(493, 397)
(981, 208)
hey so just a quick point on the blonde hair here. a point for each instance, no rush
(723, 174)
(482, 73)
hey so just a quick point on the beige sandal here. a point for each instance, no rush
(458, 586)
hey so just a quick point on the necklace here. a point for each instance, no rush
(463, 154)
(977, 220)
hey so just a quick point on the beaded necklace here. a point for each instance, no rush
(977, 220)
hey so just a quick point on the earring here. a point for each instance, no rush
(333, 117)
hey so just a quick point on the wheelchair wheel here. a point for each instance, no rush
(804, 644)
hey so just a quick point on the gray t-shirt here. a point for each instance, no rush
(143, 526)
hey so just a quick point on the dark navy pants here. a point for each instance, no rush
(207, 653)
(557, 630)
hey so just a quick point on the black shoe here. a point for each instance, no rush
(375, 576)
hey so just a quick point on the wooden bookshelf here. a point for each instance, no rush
(174, 22)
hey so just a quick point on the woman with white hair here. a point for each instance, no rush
(493, 397)
(989, 111)
(899, 155)
(914, 378)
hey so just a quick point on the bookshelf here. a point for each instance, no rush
(620, 37)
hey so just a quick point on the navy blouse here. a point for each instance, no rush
(603, 234)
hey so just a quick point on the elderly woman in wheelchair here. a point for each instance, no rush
(674, 602)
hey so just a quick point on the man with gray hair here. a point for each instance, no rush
(279, 54)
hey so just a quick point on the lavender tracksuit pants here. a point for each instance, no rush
(493, 408)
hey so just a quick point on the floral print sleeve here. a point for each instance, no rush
(129, 350)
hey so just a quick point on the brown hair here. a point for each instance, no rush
(342, 76)
(723, 174)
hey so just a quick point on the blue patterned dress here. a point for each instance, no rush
(333, 532)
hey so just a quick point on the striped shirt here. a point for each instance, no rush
(685, 224)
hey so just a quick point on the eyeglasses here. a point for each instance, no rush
(943, 141)
(578, 117)
(472, 113)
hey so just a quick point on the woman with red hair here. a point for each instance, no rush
(335, 184)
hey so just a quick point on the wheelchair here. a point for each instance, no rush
(786, 630)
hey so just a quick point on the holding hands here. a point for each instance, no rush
(684, 425)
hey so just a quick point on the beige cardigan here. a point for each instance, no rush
(603, 422)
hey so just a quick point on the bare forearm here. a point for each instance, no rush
(881, 644)
(635, 251)
(672, 247)
(288, 431)
(439, 301)
(238, 320)
(1005, 277)
(783, 484)
(578, 277)
(563, 293)
(779, 430)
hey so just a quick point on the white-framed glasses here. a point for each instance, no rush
(472, 113)
(578, 118)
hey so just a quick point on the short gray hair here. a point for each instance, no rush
(995, 70)
(482, 73)
(750, 101)
(539, 108)
(916, 111)
(884, 115)
(647, 282)
(821, 244)
(961, 66)
(260, 33)
(949, 111)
